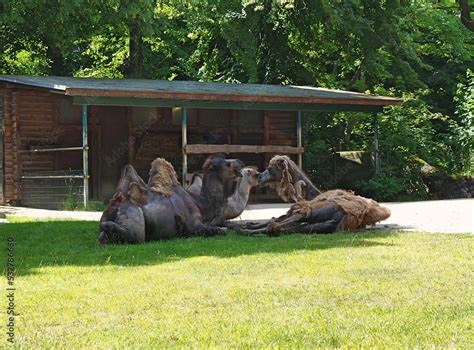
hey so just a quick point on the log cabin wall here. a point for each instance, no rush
(157, 133)
(2, 173)
(282, 128)
(10, 148)
(36, 118)
(30, 121)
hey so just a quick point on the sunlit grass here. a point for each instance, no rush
(372, 289)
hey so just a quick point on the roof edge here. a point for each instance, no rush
(368, 100)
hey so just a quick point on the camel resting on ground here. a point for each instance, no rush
(162, 209)
(335, 210)
(196, 183)
(237, 202)
(290, 182)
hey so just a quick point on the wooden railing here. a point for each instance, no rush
(207, 149)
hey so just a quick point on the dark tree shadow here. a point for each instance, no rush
(63, 243)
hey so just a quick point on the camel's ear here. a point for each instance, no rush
(281, 163)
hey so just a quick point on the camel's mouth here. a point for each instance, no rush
(264, 178)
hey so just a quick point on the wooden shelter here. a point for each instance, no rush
(65, 135)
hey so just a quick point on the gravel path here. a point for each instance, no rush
(449, 216)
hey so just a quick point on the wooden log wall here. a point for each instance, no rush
(30, 121)
(11, 145)
(163, 137)
(35, 115)
(282, 128)
(155, 136)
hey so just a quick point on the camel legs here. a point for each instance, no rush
(258, 226)
(328, 226)
(126, 225)
(207, 231)
(322, 220)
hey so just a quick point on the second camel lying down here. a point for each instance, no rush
(335, 210)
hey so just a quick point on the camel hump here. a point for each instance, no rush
(162, 177)
(360, 211)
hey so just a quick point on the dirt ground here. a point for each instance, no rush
(449, 216)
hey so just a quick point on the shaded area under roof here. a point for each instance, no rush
(132, 92)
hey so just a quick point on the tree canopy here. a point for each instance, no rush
(419, 50)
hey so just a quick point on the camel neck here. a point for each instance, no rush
(311, 190)
(211, 197)
(243, 190)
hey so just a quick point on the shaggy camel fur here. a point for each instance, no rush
(290, 182)
(162, 177)
(335, 210)
(163, 209)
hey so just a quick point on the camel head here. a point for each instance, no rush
(278, 174)
(224, 169)
(277, 170)
(375, 212)
(251, 176)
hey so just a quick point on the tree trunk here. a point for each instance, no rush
(57, 61)
(466, 15)
(136, 51)
(267, 67)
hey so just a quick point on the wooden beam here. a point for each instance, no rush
(157, 102)
(359, 100)
(207, 149)
(85, 156)
(299, 138)
(2, 170)
(376, 145)
(184, 141)
(266, 128)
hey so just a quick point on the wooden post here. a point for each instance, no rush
(184, 139)
(299, 138)
(2, 131)
(85, 155)
(376, 145)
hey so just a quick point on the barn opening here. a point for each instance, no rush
(68, 137)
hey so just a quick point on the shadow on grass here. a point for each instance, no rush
(62, 243)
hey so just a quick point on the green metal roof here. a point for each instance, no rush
(133, 92)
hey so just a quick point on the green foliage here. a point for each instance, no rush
(388, 188)
(24, 62)
(70, 201)
(419, 50)
(95, 206)
(463, 125)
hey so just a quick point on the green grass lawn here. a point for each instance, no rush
(370, 289)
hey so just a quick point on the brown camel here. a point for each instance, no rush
(290, 182)
(167, 210)
(335, 210)
(196, 183)
(236, 203)
(219, 174)
(123, 220)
